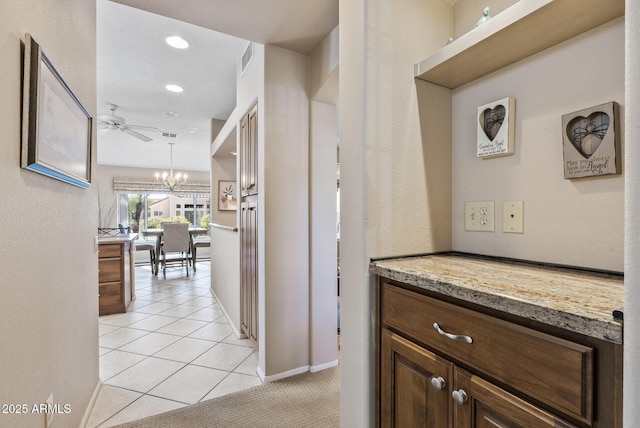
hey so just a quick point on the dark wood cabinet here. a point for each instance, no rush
(442, 364)
(249, 269)
(249, 153)
(114, 279)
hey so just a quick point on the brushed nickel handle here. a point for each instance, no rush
(466, 339)
(438, 383)
(460, 396)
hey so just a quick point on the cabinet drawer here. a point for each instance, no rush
(109, 250)
(110, 293)
(110, 270)
(551, 370)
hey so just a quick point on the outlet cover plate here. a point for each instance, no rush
(513, 217)
(479, 216)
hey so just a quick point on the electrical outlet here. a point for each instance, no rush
(513, 217)
(479, 216)
(48, 415)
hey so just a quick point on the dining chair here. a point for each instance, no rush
(143, 244)
(175, 246)
(198, 242)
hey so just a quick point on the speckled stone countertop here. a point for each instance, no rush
(571, 299)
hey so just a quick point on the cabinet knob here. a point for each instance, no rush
(438, 383)
(460, 396)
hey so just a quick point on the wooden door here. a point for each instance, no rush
(415, 385)
(480, 404)
(249, 270)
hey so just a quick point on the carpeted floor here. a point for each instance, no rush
(306, 400)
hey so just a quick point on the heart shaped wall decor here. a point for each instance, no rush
(586, 133)
(492, 119)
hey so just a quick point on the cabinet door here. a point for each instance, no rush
(480, 404)
(249, 270)
(252, 182)
(245, 154)
(415, 385)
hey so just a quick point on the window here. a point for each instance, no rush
(148, 210)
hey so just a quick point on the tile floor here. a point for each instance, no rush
(173, 348)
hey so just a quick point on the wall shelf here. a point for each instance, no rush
(522, 30)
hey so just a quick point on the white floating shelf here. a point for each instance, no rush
(524, 29)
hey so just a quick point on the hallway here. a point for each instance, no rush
(173, 348)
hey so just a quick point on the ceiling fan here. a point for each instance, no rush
(110, 122)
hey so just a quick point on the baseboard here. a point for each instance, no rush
(238, 333)
(283, 375)
(92, 402)
(324, 366)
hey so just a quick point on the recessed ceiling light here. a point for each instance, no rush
(177, 42)
(174, 88)
(171, 114)
(193, 130)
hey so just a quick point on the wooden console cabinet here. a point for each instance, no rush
(114, 276)
(448, 364)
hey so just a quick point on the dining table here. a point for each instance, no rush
(193, 231)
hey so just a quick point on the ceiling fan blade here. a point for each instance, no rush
(103, 131)
(150, 128)
(135, 134)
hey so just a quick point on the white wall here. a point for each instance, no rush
(631, 409)
(49, 270)
(283, 214)
(577, 222)
(322, 235)
(388, 204)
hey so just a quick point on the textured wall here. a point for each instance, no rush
(49, 270)
(576, 222)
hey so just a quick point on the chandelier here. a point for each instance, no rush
(169, 180)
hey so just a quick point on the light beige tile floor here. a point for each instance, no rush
(172, 349)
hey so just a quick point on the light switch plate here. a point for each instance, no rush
(479, 216)
(513, 217)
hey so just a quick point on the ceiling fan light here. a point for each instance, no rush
(177, 42)
(174, 88)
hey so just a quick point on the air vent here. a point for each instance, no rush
(169, 135)
(246, 57)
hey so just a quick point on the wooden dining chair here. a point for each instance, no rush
(175, 247)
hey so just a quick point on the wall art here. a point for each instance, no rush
(56, 127)
(590, 141)
(227, 197)
(496, 128)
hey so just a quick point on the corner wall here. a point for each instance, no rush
(49, 269)
(388, 204)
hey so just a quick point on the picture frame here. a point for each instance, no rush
(591, 141)
(495, 135)
(227, 195)
(56, 127)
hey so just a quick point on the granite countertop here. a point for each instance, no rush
(114, 239)
(572, 299)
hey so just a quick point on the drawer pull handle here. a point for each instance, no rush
(466, 339)
(438, 383)
(460, 396)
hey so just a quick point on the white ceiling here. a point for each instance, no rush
(134, 64)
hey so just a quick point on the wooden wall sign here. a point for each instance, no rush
(496, 128)
(590, 141)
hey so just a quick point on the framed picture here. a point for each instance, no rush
(496, 128)
(56, 127)
(227, 196)
(590, 141)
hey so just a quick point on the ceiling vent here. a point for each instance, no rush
(246, 57)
